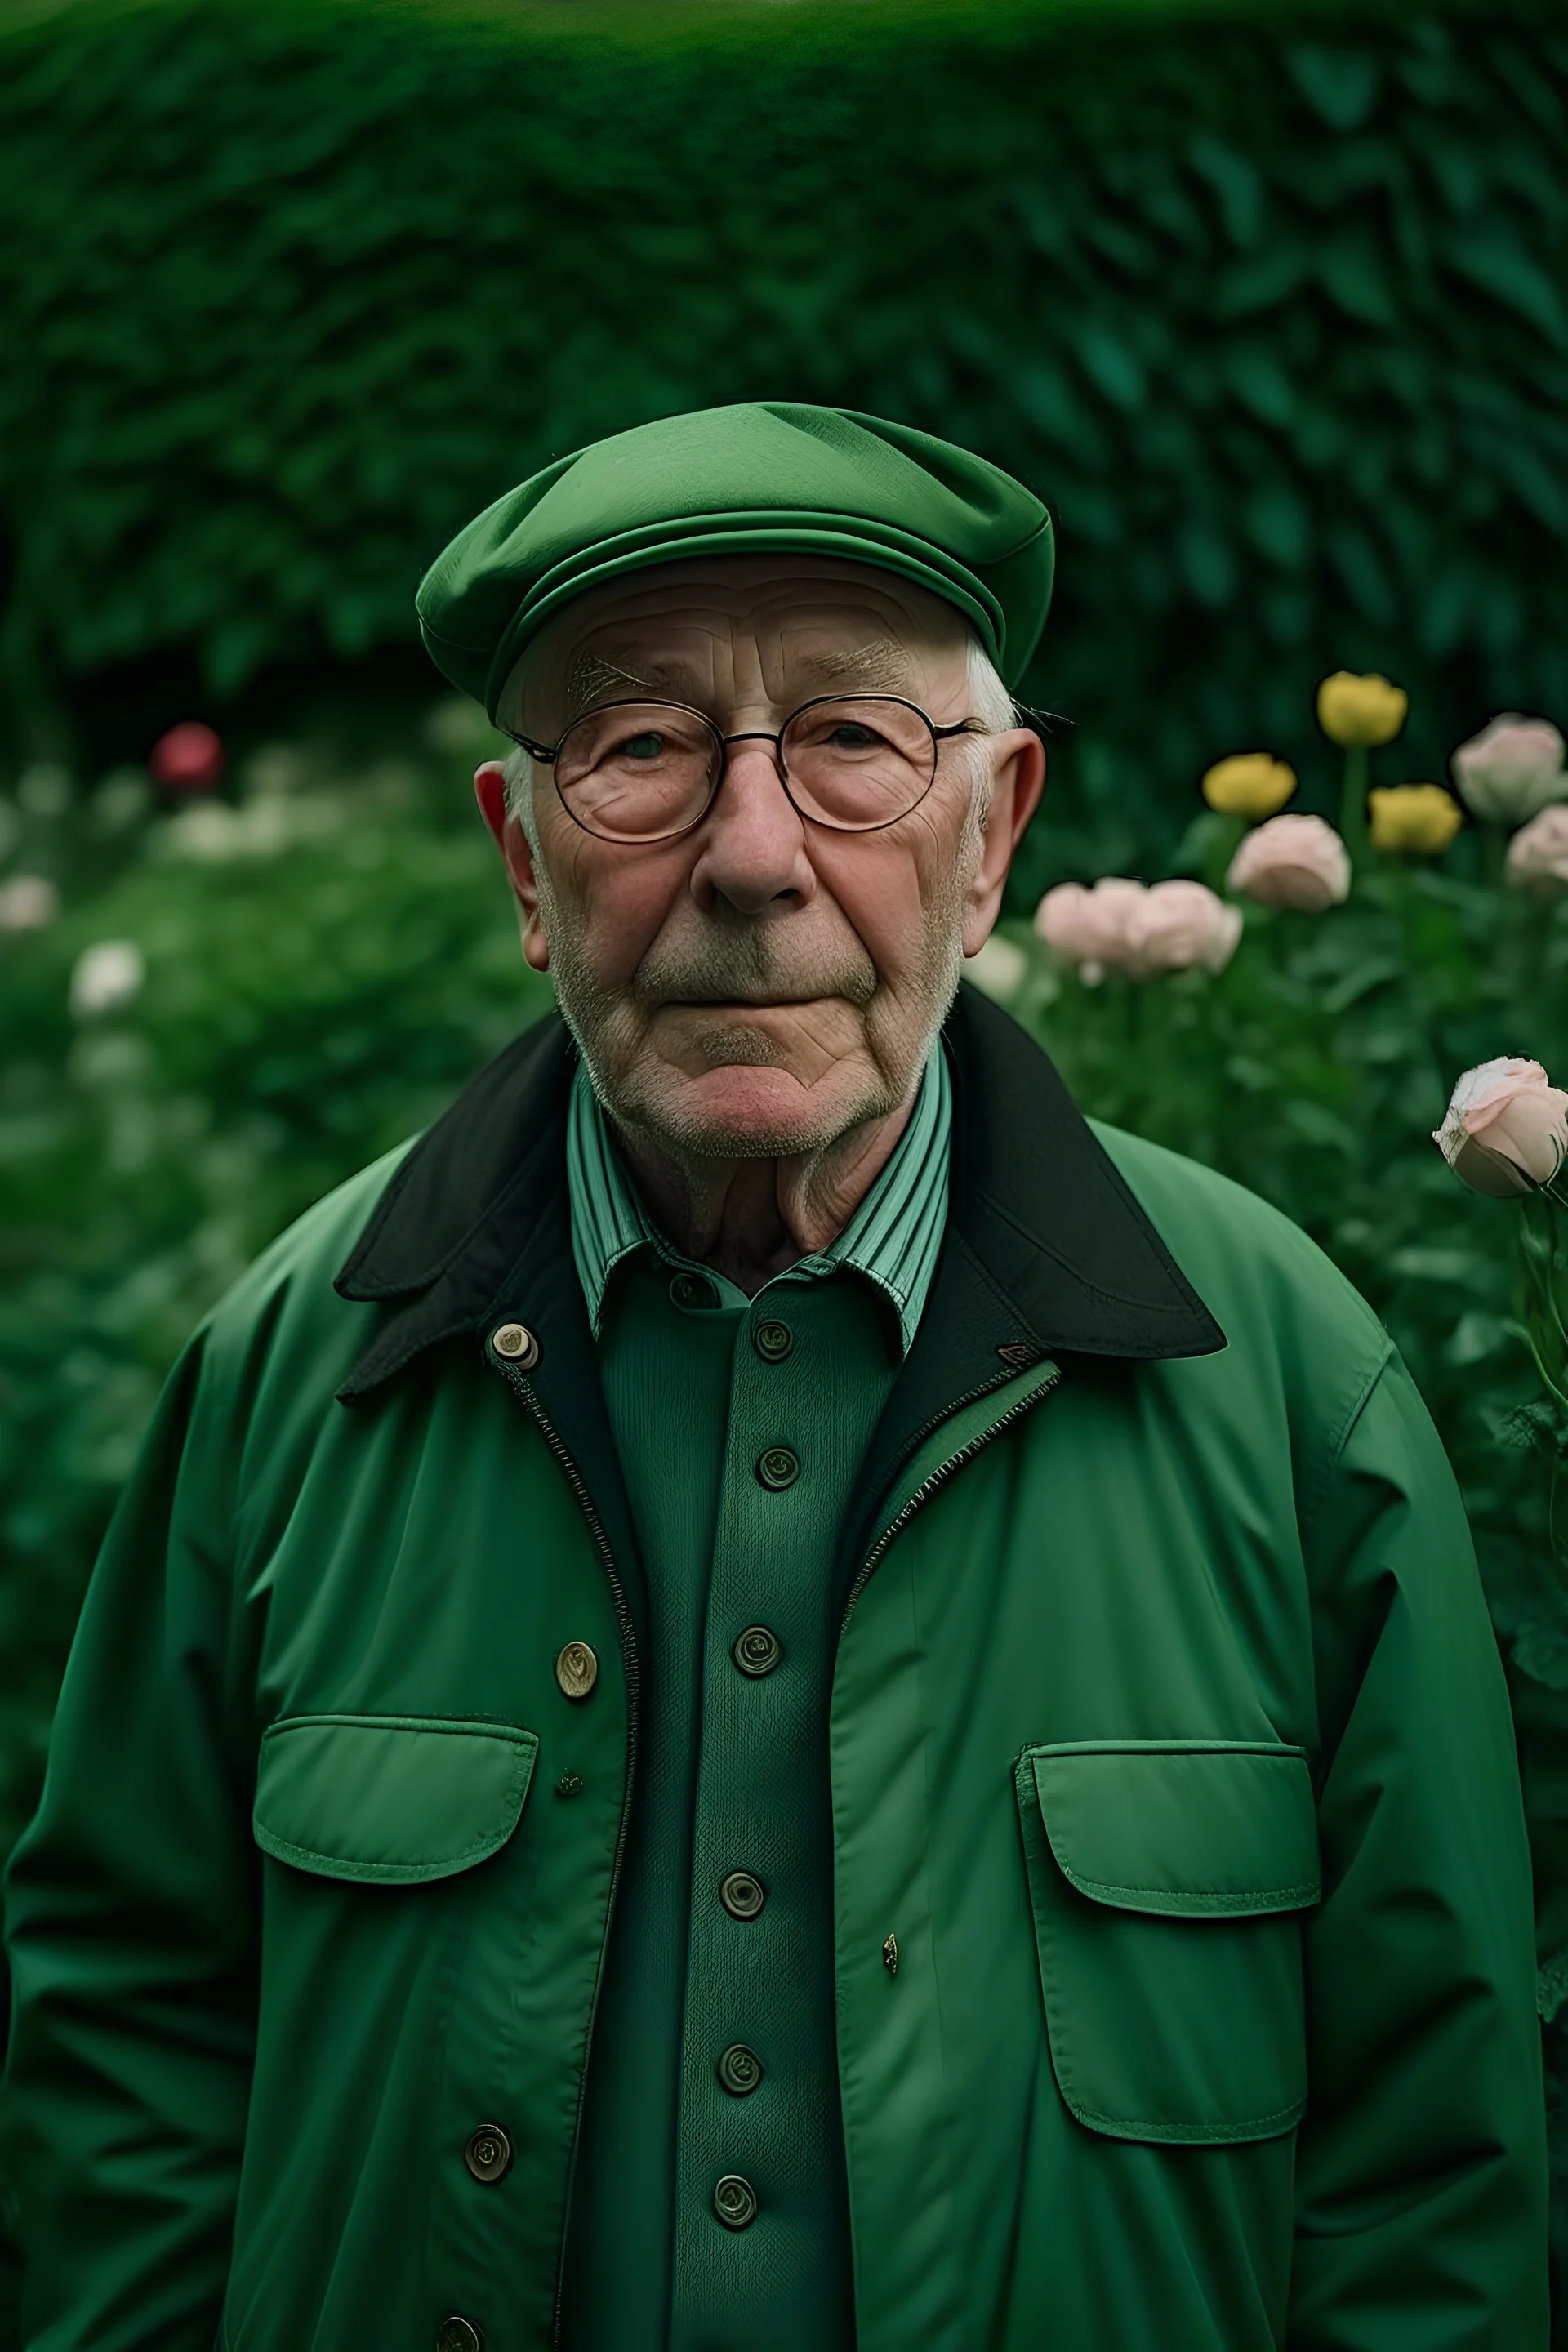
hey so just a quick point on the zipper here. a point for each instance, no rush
(938, 1478)
(523, 1387)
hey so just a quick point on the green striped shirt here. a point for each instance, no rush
(893, 1239)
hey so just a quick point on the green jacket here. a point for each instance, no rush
(1170, 1758)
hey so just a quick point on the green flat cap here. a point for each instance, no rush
(763, 477)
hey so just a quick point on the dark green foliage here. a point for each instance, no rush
(1270, 304)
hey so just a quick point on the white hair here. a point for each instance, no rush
(989, 700)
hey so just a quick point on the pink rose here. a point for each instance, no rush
(1506, 1129)
(1089, 928)
(1512, 769)
(1292, 861)
(1538, 854)
(1177, 925)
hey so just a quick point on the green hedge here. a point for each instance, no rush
(1269, 301)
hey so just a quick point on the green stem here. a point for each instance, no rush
(1352, 803)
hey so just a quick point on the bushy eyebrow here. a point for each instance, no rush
(591, 678)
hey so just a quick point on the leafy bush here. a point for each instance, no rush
(1268, 298)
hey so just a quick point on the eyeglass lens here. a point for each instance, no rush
(643, 771)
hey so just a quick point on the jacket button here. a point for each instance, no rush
(741, 1894)
(735, 2202)
(489, 2154)
(517, 1343)
(740, 2070)
(576, 1670)
(778, 1467)
(773, 1341)
(458, 2335)
(757, 1650)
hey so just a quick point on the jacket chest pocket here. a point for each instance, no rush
(389, 1800)
(1168, 1880)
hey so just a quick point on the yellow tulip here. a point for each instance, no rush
(1354, 710)
(1420, 817)
(1249, 783)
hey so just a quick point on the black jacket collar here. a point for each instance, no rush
(1037, 1207)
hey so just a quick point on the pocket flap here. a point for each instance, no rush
(1191, 1828)
(392, 1799)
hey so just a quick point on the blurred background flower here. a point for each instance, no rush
(1251, 784)
(187, 758)
(106, 978)
(1292, 861)
(1358, 713)
(27, 903)
(1512, 769)
(1420, 818)
(1538, 854)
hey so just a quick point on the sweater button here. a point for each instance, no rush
(458, 2335)
(735, 2202)
(489, 2154)
(773, 1341)
(778, 1467)
(741, 1894)
(740, 2070)
(757, 1650)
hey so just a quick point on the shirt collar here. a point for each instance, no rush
(893, 1240)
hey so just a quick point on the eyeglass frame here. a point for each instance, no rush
(546, 754)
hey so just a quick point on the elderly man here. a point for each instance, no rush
(813, 1705)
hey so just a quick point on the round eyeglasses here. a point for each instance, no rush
(644, 772)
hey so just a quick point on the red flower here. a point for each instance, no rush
(188, 759)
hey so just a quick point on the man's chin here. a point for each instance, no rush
(745, 1110)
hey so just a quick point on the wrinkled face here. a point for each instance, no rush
(760, 984)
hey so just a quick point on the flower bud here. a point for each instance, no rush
(1361, 711)
(1511, 770)
(1538, 854)
(1252, 784)
(1292, 861)
(1506, 1131)
(1419, 817)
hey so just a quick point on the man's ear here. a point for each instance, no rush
(1018, 778)
(506, 831)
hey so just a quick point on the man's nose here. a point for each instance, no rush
(754, 846)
